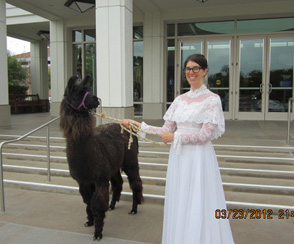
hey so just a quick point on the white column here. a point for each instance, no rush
(39, 69)
(4, 106)
(114, 27)
(153, 66)
(60, 63)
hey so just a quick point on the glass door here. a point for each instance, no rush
(186, 48)
(280, 81)
(265, 78)
(251, 79)
(218, 54)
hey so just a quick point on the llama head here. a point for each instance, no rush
(78, 94)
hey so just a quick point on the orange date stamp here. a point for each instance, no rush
(243, 214)
(253, 214)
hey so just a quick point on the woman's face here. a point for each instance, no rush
(195, 79)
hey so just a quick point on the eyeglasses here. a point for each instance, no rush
(195, 69)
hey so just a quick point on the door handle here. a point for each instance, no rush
(261, 88)
(270, 88)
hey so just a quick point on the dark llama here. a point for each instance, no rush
(96, 155)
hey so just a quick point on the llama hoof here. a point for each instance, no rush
(97, 237)
(111, 208)
(89, 223)
(133, 212)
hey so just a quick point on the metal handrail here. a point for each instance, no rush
(2, 200)
(290, 103)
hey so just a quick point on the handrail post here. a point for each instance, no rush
(48, 154)
(100, 111)
(1, 182)
(290, 102)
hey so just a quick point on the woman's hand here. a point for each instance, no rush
(126, 123)
(167, 137)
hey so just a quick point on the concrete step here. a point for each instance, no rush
(258, 180)
(283, 166)
(61, 162)
(149, 177)
(258, 198)
(67, 185)
(34, 139)
(260, 173)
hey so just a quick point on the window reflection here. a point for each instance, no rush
(207, 28)
(77, 60)
(188, 48)
(90, 64)
(251, 63)
(138, 109)
(219, 70)
(90, 35)
(77, 36)
(281, 74)
(138, 77)
(170, 86)
(138, 32)
(265, 25)
(84, 54)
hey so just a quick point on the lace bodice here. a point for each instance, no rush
(195, 117)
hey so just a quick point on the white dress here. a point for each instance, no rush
(193, 184)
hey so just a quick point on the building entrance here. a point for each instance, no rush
(264, 71)
(253, 75)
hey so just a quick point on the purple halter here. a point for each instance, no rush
(82, 104)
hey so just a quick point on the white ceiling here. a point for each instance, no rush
(169, 9)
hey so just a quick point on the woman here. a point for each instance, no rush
(193, 183)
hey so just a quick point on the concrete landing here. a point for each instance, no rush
(42, 218)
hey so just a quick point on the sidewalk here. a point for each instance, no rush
(46, 218)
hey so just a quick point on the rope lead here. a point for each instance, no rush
(133, 130)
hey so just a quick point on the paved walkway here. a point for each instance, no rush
(46, 218)
(42, 218)
(237, 132)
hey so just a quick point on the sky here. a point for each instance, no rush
(16, 46)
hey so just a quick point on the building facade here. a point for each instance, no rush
(135, 49)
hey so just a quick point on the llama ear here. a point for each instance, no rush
(87, 81)
(72, 81)
(70, 84)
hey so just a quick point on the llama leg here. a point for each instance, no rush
(116, 184)
(86, 193)
(99, 205)
(136, 186)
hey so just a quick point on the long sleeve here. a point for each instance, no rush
(168, 126)
(204, 135)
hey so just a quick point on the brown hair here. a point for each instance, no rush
(197, 58)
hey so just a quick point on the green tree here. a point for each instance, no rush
(16, 76)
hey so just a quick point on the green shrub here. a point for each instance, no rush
(17, 89)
